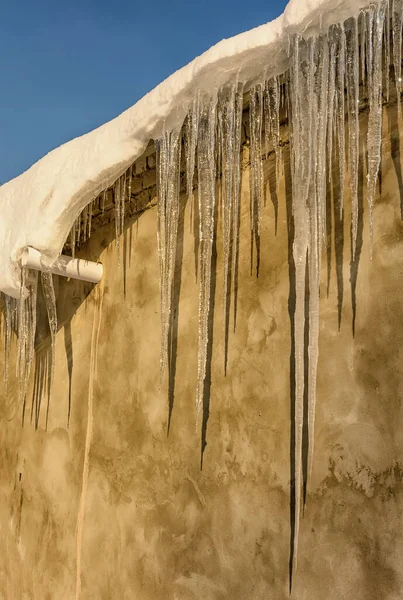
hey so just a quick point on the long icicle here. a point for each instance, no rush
(317, 231)
(117, 199)
(341, 133)
(352, 76)
(227, 119)
(301, 152)
(331, 96)
(192, 124)
(272, 122)
(397, 23)
(237, 191)
(168, 157)
(256, 171)
(374, 139)
(50, 301)
(8, 300)
(206, 176)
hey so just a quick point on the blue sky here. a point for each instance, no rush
(68, 66)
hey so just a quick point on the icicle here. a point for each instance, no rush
(50, 301)
(73, 239)
(272, 122)
(30, 319)
(322, 85)
(237, 177)
(352, 76)
(226, 118)
(206, 181)
(374, 139)
(387, 49)
(122, 203)
(369, 14)
(78, 223)
(103, 200)
(90, 208)
(363, 44)
(256, 171)
(301, 122)
(168, 165)
(397, 8)
(340, 86)
(130, 181)
(22, 335)
(7, 341)
(191, 142)
(116, 195)
(331, 96)
(85, 223)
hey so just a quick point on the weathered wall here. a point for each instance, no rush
(156, 526)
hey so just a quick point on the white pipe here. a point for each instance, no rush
(66, 266)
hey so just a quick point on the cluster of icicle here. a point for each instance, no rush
(320, 87)
(20, 315)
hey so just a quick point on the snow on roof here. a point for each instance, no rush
(39, 207)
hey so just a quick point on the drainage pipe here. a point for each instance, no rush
(66, 266)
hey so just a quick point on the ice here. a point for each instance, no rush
(256, 171)
(50, 301)
(363, 45)
(272, 121)
(387, 49)
(129, 185)
(192, 124)
(340, 86)
(122, 202)
(331, 96)
(352, 77)
(374, 139)
(117, 199)
(322, 116)
(9, 301)
(229, 137)
(168, 160)
(397, 8)
(300, 93)
(237, 189)
(206, 196)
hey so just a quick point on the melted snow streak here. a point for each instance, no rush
(206, 168)
(168, 161)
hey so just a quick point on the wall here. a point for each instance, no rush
(158, 527)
